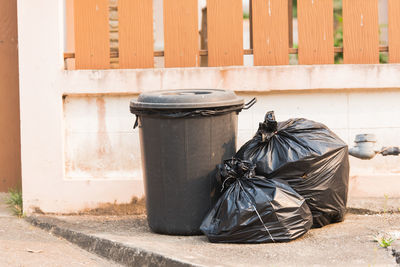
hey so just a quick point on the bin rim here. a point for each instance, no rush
(179, 99)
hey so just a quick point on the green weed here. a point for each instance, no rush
(14, 201)
(384, 241)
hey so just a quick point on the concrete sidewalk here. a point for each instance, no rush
(4, 210)
(127, 240)
(22, 244)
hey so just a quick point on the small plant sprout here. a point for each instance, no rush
(384, 241)
(14, 201)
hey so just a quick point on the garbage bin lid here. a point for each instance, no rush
(186, 99)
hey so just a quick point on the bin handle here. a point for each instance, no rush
(250, 104)
(136, 122)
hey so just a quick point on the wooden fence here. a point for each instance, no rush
(270, 33)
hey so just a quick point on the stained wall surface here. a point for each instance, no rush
(101, 144)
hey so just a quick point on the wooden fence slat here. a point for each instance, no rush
(360, 32)
(270, 32)
(136, 46)
(225, 32)
(92, 41)
(394, 31)
(181, 33)
(315, 25)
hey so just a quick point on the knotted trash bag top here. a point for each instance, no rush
(253, 209)
(310, 157)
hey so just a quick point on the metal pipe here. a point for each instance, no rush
(365, 148)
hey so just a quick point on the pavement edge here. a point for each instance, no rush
(115, 251)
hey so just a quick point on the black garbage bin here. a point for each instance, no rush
(184, 135)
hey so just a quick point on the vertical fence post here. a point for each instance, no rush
(394, 31)
(92, 40)
(270, 32)
(360, 32)
(315, 23)
(181, 36)
(225, 32)
(135, 19)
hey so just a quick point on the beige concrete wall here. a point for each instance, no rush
(101, 144)
(347, 113)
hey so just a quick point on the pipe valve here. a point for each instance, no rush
(365, 148)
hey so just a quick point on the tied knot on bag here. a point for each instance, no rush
(268, 128)
(235, 169)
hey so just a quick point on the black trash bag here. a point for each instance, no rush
(310, 157)
(253, 209)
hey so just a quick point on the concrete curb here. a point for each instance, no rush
(131, 253)
(370, 205)
(117, 252)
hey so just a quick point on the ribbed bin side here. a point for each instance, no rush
(179, 159)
